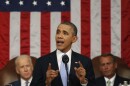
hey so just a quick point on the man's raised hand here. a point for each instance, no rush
(81, 73)
(50, 75)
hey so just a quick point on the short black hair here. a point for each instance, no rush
(72, 25)
(109, 54)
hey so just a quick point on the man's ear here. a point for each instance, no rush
(17, 70)
(32, 66)
(74, 39)
(116, 65)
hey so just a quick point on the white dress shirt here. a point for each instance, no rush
(23, 82)
(59, 60)
(111, 79)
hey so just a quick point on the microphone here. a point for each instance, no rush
(65, 60)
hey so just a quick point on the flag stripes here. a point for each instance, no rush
(85, 23)
(95, 29)
(125, 31)
(45, 33)
(116, 27)
(35, 31)
(4, 38)
(25, 33)
(14, 35)
(103, 26)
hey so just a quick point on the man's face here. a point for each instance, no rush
(24, 68)
(65, 37)
(107, 66)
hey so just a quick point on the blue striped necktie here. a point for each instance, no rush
(63, 74)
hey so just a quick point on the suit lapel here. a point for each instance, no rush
(103, 82)
(72, 76)
(54, 64)
(18, 83)
(53, 61)
(74, 59)
(116, 82)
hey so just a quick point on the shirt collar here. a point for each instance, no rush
(23, 81)
(111, 79)
(59, 54)
(59, 59)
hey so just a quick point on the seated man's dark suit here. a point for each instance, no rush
(16, 83)
(101, 81)
(39, 75)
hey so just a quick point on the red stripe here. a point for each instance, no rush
(85, 27)
(25, 33)
(4, 38)
(105, 25)
(45, 33)
(65, 16)
(125, 30)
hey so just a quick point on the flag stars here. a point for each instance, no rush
(7, 2)
(34, 3)
(62, 3)
(48, 3)
(20, 2)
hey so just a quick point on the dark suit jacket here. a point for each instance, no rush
(39, 75)
(16, 83)
(101, 81)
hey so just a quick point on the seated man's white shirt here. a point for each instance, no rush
(23, 82)
(111, 80)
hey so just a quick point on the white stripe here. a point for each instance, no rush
(55, 21)
(35, 34)
(116, 27)
(95, 28)
(76, 19)
(14, 34)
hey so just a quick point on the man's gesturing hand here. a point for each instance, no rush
(50, 75)
(81, 73)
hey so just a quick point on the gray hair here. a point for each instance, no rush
(22, 56)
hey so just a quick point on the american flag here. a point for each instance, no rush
(29, 27)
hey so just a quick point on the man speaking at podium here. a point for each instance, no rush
(64, 67)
